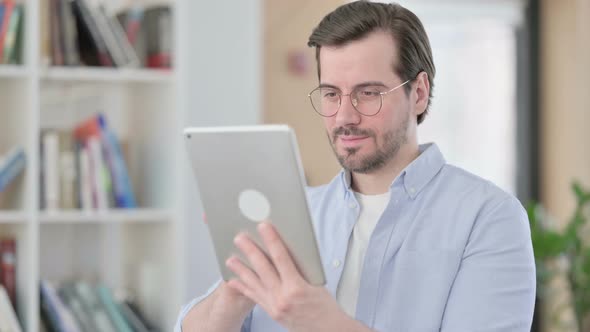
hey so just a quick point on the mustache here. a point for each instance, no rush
(351, 131)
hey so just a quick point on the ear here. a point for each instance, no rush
(421, 90)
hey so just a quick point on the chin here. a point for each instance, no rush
(363, 163)
(351, 161)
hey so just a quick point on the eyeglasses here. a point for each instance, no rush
(367, 100)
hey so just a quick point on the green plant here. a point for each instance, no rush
(549, 244)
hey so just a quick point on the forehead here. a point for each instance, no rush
(369, 59)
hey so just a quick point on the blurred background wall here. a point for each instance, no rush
(564, 101)
(290, 74)
(225, 62)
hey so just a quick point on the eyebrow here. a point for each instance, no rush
(360, 85)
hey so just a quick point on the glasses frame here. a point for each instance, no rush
(340, 95)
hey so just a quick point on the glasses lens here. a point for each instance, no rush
(368, 100)
(325, 101)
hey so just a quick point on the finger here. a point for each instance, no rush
(245, 274)
(241, 287)
(258, 260)
(278, 252)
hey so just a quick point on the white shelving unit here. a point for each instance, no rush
(13, 71)
(122, 216)
(138, 250)
(12, 217)
(65, 74)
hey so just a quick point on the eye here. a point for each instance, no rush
(368, 93)
(330, 94)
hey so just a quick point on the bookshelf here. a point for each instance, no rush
(137, 250)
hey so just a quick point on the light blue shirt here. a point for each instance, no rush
(451, 252)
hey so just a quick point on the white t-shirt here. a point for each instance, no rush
(372, 207)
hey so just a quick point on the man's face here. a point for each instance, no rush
(365, 144)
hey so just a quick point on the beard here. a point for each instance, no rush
(391, 142)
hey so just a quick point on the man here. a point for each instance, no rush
(408, 242)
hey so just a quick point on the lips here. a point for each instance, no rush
(352, 138)
(349, 140)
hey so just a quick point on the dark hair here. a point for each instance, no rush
(354, 21)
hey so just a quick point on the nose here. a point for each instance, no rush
(347, 114)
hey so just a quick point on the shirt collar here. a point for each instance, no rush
(416, 175)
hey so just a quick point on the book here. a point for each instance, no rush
(135, 321)
(81, 306)
(158, 29)
(94, 306)
(19, 45)
(60, 181)
(41, 174)
(82, 32)
(92, 47)
(122, 189)
(55, 313)
(45, 33)
(51, 184)
(112, 309)
(85, 178)
(81, 314)
(131, 58)
(6, 14)
(57, 47)
(11, 165)
(89, 135)
(8, 267)
(9, 321)
(13, 34)
(67, 171)
(47, 322)
(131, 21)
(99, 178)
(2, 10)
(68, 33)
(97, 127)
(104, 28)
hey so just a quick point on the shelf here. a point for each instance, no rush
(12, 217)
(13, 71)
(135, 216)
(97, 74)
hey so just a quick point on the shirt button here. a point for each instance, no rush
(352, 205)
(336, 263)
(412, 190)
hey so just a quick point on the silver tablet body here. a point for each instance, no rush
(248, 174)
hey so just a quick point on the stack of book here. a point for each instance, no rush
(79, 306)
(8, 319)
(11, 32)
(84, 168)
(82, 32)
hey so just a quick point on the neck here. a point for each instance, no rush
(379, 181)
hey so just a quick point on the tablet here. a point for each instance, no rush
(249, 174)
